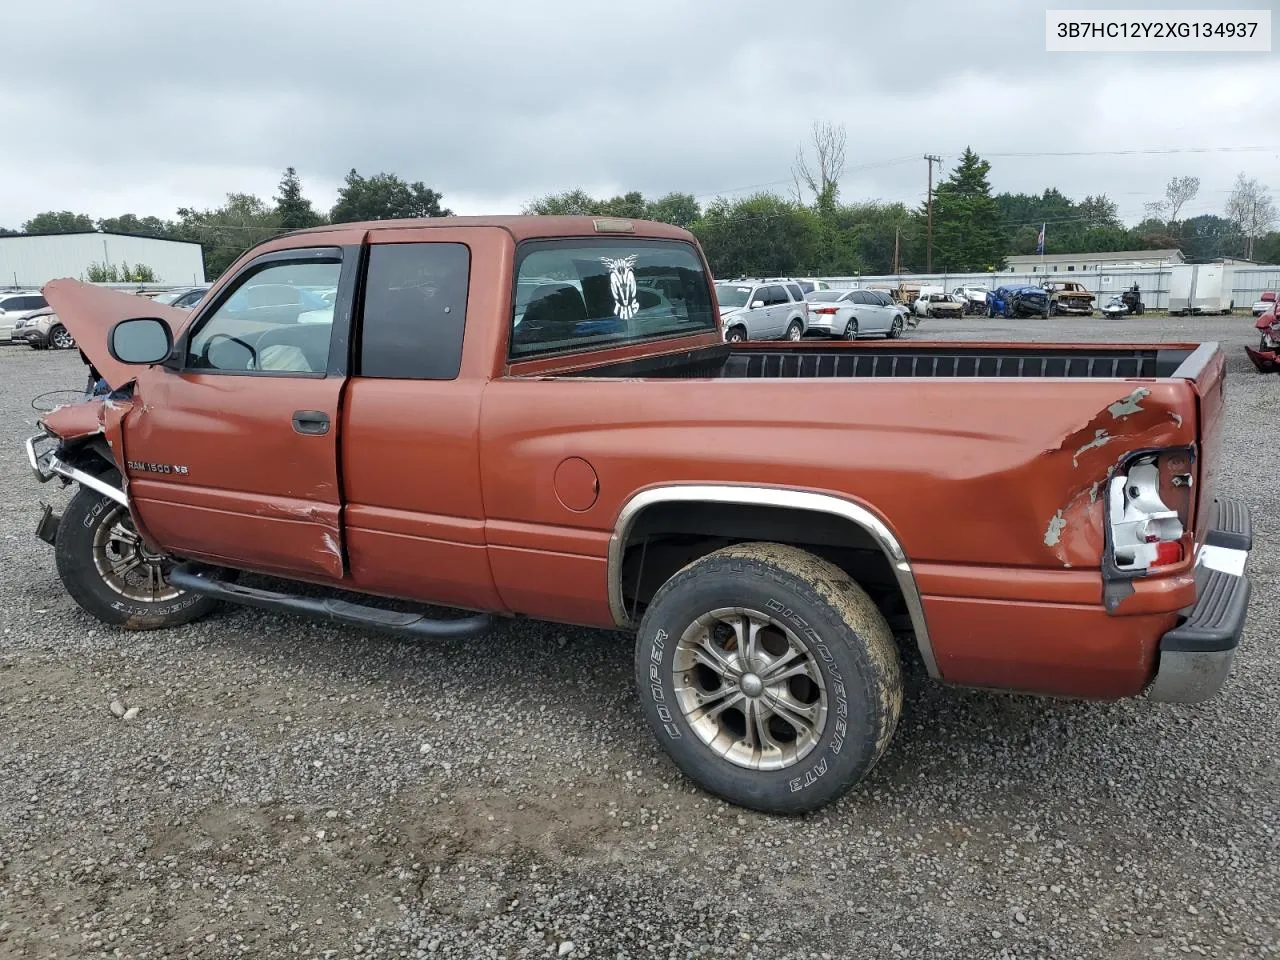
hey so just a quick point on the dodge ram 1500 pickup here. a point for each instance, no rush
(540, 417)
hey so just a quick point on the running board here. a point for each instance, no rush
(190, 576)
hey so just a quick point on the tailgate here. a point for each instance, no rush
(1206, 368)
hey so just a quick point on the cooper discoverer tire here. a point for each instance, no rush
(92, 548)
(791, 717)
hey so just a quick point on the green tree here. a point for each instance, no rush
(134, 225)
(384, 196)
(1267, 249)
(1207, 236)
(967, 230)
(294, 210)
(571, 203)
(762, 234)
(678, 209)
(225, 233)
(63, 221)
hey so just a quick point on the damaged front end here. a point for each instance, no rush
(75, 445)
(1267, 357)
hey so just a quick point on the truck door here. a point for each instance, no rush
(232, 455)
(414, 519)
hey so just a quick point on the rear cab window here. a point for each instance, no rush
(577, 294)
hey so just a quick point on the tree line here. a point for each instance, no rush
(809, 231)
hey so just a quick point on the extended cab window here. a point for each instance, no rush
(415, 311)
(577, 294)
(277, 321)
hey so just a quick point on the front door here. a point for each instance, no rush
(233, 457)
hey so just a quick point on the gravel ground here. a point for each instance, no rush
(288, 789)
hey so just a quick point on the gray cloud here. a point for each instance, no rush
(145, 106)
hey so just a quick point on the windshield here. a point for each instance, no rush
(732, 296)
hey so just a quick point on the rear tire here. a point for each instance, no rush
(95, 542)
(795, 331)
(851, 329)
(788, 745)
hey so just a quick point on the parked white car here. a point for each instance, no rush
(850, 314)
(18, 306)
(758, 310)
(974, 297)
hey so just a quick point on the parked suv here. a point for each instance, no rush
(43, 330)
(18, 306)
(762, 310)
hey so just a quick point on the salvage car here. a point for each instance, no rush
(1265, 304)
(17, 306)
(935, 303)
(1069, 297)
(1028, 301)
(762, 310)
(43, 330)
(778, 525)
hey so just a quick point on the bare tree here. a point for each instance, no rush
(1251, 209)
(1154, 210)
(822, 175)
(1179, 192)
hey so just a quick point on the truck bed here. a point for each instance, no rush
(841, 360)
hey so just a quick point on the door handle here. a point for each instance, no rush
(311, 422)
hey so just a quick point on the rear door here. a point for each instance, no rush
(233, 457)
(779, 308)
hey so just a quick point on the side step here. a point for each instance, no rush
(190, 576)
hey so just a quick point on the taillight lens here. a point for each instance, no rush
(826, 311)
(1149, 509)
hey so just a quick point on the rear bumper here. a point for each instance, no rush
(1195, 657)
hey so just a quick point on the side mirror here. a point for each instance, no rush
(144, 340)
(756, 304)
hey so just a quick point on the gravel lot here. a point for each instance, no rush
(293, 790)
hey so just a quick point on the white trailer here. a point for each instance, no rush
(1201, 288)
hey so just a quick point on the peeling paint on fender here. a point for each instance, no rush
(1054, 533)
(1100, 438)
(1130, 404)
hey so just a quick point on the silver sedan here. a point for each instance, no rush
(850, 314)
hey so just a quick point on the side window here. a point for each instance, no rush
(275, 321)
(759, 295)
(36, 303)
(796, 292)
(415, 311)
(777, 296)
(859, 297)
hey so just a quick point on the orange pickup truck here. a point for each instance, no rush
(539, 417)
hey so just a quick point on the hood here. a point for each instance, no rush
(725, 311)
(89, 312)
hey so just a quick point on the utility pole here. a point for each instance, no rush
(897, 234)
(929, 241)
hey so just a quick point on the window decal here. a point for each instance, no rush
(622, 283)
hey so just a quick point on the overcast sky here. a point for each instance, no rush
(140, 106)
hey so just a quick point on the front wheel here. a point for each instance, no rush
(895, 329)
(795, 331)
(769, 677)
(60, 339)
(736, 335)
(111, 574)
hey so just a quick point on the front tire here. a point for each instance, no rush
(769, 677)
(110, 573)
(735, 335)
(60, 338)
(895, 328)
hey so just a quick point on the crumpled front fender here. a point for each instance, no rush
(1265, 360)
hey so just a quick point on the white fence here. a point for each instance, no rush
(1248, 283)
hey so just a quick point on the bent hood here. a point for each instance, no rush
(89, 312)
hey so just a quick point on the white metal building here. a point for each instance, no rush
(32, 260)
(1077, 262)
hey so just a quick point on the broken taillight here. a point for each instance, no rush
(1149, 510)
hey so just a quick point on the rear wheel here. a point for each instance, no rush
(851, 329)
(795, 331)
(769, 677)
(109, 571)
(736, 335)
(60, 339)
